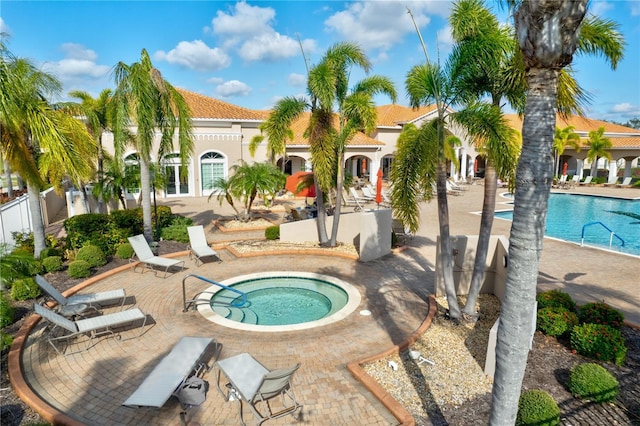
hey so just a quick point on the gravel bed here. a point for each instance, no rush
(250, 246)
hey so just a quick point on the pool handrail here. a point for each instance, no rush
(611, 235)
(186, 302)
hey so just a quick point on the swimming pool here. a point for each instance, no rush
(280, 301)
(569, 213)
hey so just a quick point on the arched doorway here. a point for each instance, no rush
(176, 175)
(213, 166)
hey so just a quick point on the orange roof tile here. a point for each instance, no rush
(300, 125)
(206, 107)
(393, 114)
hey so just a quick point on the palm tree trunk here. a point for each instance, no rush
(484, 236)
(338, 208)
(39, 241)
(7, 177)
(322, 214)
(100, 200)
(533, 184)
(446, 250)
(594, 167)
(145, 193)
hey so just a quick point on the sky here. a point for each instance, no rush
(249, 53)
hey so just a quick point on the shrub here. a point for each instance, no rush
(7, 311)
(599, 341)
(272, 232)
(82, 228)
(79, 269)
(557, 299)
(130, 220)
(24, 241)
(48, 252)
(600, 313)
(25, 288)
(593, 382)
(537, 407)
(52, 263)
(124, 251)
(554, 321)
(6, 340)
(177, 231)
(93, 255)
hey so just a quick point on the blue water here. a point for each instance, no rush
(568, 213)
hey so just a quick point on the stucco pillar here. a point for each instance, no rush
(627, 166)
(579, 167)
(463, 163)
(613, 171)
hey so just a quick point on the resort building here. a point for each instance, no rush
(222, 133)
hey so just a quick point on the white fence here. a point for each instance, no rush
(15, 216)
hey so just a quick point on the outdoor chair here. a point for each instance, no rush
(198, 246)
(252, 383)
(68, 306)
(452, 191)
(349, 201)
(625, 183)
(148, 259)
(368, 192)
(93, 327)
(356, 196)
(612, 182)
(587, 180)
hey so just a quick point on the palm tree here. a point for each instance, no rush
(277, 136)
(548, 37)
(598, 148)
(248, 181)
(497, 71)
(331, 100)
(33, 131)
(562, 139)
(144, 99)
(95, 114)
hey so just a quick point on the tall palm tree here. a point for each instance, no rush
(96, 115)
(561, 140)
(598, 148)
(277, 136)
(32, 130)
(249, 180)
(547, 32)
(144, 99)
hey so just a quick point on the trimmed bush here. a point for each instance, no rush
(7, 311)
(53, 263)
(6, 340)
(555, 299)
(48, 252)
(555, 321)
(81, 228)
(537, 407)
(93, 255)
(600, 313)
(177, 231)
(272, 232)
(124, 251)
(593, 382)
(127, 219)
(599, 342)
(24, 289)
(79, 269)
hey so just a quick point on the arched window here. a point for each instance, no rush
(213, 166)
(132, 173)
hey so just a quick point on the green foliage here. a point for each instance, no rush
(93, 255)
(537, 407)
(24, 241)
(52, 263)
(6, 340)
(79, 269)
(600, 342)
(7, 311)
(600, 313)
(272, 232)
(83, 228)
(25, 288)
(49, 251)
(593, 383)
(555, 321)
(14, 265)
(130, 220)
(555, 298)
(177, 231)
(124, 251)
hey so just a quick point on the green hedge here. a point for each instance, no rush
(537, 407)
(599, 342)
(124, 251)
(600, 313)
(555, 321)
(24, 289)
(555, 299)
(93, 255)
(272, 232)
(7, 311)
(53, 263)
(593, 382)
(79, 269)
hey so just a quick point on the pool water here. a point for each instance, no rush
(569, 213)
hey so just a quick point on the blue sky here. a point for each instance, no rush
(248, 52)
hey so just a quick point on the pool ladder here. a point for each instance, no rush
(186, 303)
(611, 233)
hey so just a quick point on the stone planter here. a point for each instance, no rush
(154, 246)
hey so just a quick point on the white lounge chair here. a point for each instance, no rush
(612, 182)
(360, 198)
(626, 182)
(451, 190)
(93, 327)
(93, 300)
(148, 259)
(587, 180)
(348, 200)
(198, 246)
(252, 383)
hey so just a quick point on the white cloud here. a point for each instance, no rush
(215, 80)
(297, 80)
(272, 47)
(445, 36)
(195, 55)
(233, 88)
(635, 8)
(78, 51)
(4, 28)
(244, 21)
(626, 108)
(79, 64)
(599, 8)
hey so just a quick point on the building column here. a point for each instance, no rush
(463, 164)
(613, 171)
(579, 167)
(627, 166)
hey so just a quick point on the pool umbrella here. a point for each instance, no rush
(301, 184)
(379, 188)
(564, 168)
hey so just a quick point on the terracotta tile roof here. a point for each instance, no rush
(393, 114)
(300, 125)
(630, 142)
(206, 107)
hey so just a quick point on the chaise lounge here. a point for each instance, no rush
(148, 259)
(92, 300)
(198, 246)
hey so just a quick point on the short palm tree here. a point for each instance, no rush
(598, 148)
(143, 98)
(562, 139)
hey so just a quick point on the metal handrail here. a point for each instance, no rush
(184, 293)
(611, 235)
